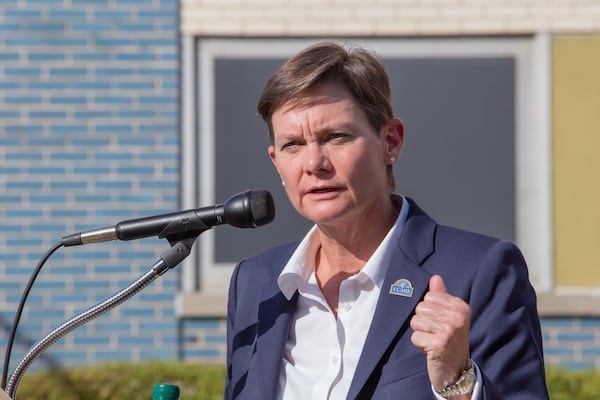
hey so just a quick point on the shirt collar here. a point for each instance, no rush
(302, 262)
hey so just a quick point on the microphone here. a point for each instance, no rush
(249, 209)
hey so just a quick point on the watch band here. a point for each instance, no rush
(465, 384)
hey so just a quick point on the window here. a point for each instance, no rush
(476, 151)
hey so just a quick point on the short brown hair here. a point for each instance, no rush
(358, 70)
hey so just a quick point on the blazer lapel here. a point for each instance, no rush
(396, 305)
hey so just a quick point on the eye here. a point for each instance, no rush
(290, 146)
(338, 137)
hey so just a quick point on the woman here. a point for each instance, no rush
(359, 308)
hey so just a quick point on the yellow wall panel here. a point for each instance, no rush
(576, 136)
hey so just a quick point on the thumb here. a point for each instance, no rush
(436, 284)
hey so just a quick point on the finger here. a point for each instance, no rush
(428, 343)
(438, 302)
(420, 323)
(422, 340)
(436, 284)
(442, 322)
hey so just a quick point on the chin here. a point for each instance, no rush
(326, 218)
(325, 212)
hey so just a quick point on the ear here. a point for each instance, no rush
(271, 151)
(393, 138)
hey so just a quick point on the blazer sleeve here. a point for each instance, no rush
(506, 340)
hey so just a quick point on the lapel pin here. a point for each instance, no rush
(402, 287)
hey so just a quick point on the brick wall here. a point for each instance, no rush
(568, 342)
(89, 94)
(572, 342)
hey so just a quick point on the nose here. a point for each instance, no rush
(316, 159)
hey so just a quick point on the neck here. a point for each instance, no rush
(344, 252)
(348, 246)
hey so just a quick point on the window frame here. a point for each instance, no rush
(204, 283)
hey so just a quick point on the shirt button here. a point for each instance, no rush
(346, 307)
(334, 359)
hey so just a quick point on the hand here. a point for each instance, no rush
(441, 331)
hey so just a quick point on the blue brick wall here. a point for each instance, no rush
(204, 339)
(89, 110)
(572, 342)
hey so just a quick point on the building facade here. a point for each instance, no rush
(116, 109)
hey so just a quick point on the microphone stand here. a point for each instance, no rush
(180, 249)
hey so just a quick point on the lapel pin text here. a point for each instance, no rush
(402, 287)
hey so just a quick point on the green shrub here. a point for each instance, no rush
(127, 381)
(120, 381)
(573, 385)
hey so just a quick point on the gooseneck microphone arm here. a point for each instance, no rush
(172, 257)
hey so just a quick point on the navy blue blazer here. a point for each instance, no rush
(487, 273)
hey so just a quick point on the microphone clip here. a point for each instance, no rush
(181, 240)
(191, 226)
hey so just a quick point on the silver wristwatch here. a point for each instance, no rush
(465, 384)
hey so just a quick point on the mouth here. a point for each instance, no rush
(318, 190)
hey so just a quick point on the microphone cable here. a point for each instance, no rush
(13, 331)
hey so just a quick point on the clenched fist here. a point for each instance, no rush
(441, 331)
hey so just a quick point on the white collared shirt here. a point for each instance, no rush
(322, 352)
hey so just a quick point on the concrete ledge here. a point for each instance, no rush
(201, 305)
(558, 303)
(567, 303)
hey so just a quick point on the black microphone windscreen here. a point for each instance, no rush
(262, 207)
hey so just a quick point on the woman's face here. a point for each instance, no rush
(331, 160)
